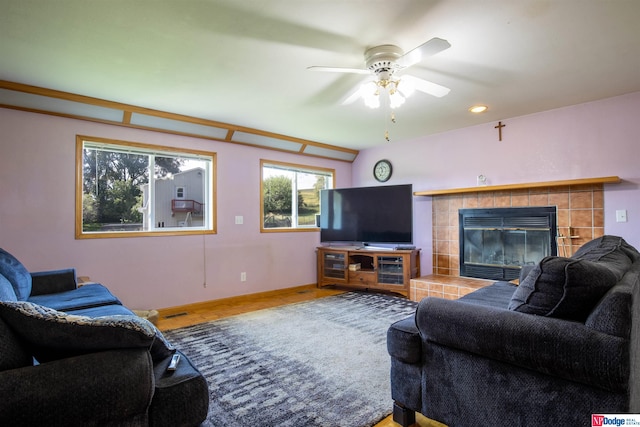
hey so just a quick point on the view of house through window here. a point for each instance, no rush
(290, 195)
(138, 188)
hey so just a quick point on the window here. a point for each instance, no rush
(180, 193)
(128, 189)
(290, 195)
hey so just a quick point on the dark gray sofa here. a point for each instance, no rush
(76, 356)
(561, 346)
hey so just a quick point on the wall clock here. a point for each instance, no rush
(382, 170)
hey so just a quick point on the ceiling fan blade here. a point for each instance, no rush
(352, 97)
(430, 48)
(235, 19)
(425, 86)
(339, 70)
(356, 93)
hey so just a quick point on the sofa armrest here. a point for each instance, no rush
(52, 282)
(556, 347)
(94, 389)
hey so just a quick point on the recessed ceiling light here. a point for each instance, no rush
(478, 109)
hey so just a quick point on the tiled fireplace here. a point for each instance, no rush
(580, 218)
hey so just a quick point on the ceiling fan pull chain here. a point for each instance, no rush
(391, 116)
(386, 129)
(388, 113)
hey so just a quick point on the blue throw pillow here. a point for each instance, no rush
(17, 274)
(6, 290)
(565, 288)
(52, 335)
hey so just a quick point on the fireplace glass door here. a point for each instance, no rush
(496, 243)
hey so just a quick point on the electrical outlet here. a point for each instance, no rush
(239, 219)
(243, 276)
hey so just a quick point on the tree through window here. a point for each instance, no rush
(126, 188)
(290, 195)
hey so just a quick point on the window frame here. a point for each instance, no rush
(297, 168)
(210, 226)
(180, 192)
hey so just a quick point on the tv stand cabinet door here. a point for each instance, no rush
(396, 269)
(393, 269)
(332, 266)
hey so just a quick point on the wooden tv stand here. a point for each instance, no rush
(389, 270)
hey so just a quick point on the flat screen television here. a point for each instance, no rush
(367, 215)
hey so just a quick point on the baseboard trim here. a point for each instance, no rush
(239, 299)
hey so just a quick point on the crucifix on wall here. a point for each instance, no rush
(499, 126)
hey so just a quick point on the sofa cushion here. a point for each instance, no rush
(87, 296)
(53, 281)
(52, 335)
(601, 246)
(16, 273)
(101, 311)
(160, 349)
(612, 251)
(612, 314)
(565, 288)
(6, 290)
(496, 295)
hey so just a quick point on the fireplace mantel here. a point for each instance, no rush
(582, 181)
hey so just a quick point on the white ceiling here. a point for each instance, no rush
(245, 62)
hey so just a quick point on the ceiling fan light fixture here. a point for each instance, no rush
(370, 94)
(372, 91)
(372, 102)
(395, 99)
(477, 109)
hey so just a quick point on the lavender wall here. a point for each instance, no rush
(583, 141)
(37, 169)
(37, 176)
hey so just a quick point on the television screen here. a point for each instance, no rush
(382, 214)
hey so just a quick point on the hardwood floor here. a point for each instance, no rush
(178, 317)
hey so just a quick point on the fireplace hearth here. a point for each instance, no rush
(495, 243)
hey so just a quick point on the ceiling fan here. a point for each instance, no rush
(383, 62)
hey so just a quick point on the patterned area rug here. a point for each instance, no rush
(318, 363)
